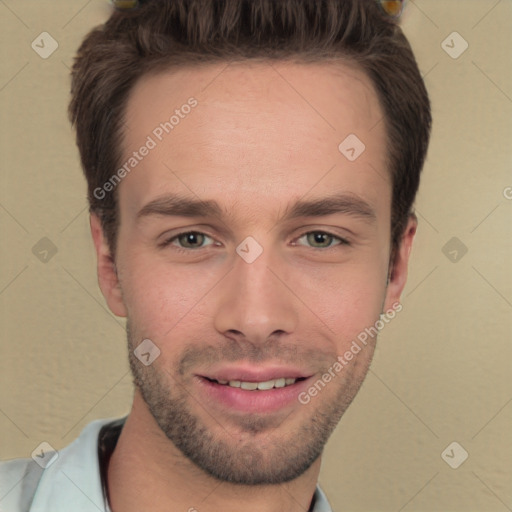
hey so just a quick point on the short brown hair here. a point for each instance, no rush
(159, 34)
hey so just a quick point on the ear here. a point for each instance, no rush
(399, 264)
(107, 274)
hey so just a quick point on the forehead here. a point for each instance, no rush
(259, 129)
(319, 90)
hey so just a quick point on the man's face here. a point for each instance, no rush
(279, 306)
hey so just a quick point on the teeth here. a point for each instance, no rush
(281, 383)
(262, 386)
(251, 386)
(269, 384)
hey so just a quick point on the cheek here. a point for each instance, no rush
(166, 301)
(347, 297)
(160, 298)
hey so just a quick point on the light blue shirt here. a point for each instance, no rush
(68, 480)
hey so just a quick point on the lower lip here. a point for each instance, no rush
(258, 401)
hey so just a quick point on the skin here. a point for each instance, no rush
(261, 137)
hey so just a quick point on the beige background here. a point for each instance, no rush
(442, 369)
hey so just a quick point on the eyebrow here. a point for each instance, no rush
(180, 206)
(347, 204)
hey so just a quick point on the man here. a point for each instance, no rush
(251, 168)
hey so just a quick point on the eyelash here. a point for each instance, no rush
(169, 241)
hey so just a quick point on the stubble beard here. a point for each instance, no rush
(269, 453)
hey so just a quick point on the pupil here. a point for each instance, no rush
(320, 238)
(191, 238)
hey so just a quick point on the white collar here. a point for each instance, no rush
(72, 481)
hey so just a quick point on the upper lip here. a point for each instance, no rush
(255, 373)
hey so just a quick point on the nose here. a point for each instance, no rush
(255, 302)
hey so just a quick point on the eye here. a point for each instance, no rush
(323, 240)
(188, 240)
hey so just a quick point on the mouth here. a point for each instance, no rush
(251, 390)
(281, 382)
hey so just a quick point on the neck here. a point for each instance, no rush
(147, 472)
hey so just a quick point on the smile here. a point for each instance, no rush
(255, 386)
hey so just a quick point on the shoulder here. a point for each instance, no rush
(19, 479)
(71, 475)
